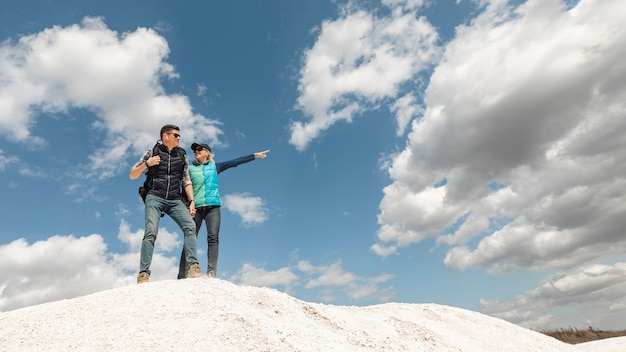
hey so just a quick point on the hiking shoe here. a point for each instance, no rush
(143, 277)
(194, 271)
(210, 273)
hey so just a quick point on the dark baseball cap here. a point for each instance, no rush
(195, 146)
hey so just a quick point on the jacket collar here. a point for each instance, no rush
(197, 163)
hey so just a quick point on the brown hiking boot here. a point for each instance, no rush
(194, 271)
(143, 277)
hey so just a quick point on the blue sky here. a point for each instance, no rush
(467, 153)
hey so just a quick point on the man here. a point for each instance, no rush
(203, 172)
(169, 170)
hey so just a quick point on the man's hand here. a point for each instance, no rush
(153, 160)
(136, 171)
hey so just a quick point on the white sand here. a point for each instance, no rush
(216, 315)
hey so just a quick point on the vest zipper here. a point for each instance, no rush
(169, 174)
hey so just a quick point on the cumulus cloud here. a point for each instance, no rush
(358, 61)
(66, 266)
(7, 160)
(250, 209)
(593, 293)
(249, 274)
(333, 276)
(514, 158)
(57, 268)
(326, 282)
(517, 161)
(405, 109)
(117, 77)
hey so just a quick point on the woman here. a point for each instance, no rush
(204, 173)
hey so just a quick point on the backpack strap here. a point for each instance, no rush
(184, 156)
(150, 173)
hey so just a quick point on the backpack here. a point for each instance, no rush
(151, 173)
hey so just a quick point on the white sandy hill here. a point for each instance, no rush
(216, 315)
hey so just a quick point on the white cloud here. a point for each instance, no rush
(6, 160)
(406, 109)
(115, 76)
(531, 100)
(327, 283)
(517, 161)
(331, 277)
(250, 209)
(252, 275)
(592, 295)
(405, 4)
(67, 266)
(358, 61)
(57, 268)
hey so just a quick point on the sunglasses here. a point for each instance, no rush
(176, 135)
(198, 150)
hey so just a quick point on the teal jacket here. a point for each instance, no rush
(204, 178)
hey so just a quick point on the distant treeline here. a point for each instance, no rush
(574, 336)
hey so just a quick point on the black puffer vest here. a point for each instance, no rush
(169, 174)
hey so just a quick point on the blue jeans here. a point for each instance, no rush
(177, 210)
(212, 217)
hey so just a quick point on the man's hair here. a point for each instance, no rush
(168, 129)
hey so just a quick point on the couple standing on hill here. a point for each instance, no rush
(199, 180)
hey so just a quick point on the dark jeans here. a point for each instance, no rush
(212, 217)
